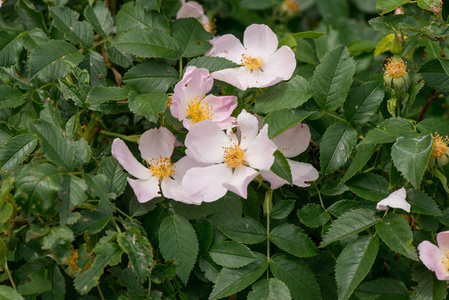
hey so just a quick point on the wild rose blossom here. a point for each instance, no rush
(192, 9)
(262, 64)
(191, 105)
(436, 258)
(235, 160)
(395, 200)
(156, 147)
(291, 143)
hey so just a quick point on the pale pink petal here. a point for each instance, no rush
(229, 47)
(281, 64)
(240, 179)
(237, 77)
(207, 183)
(212, 42)
(156, 142)
(145, 190)
(205, 142)
(302, 173)
(274, 180)
(173, 189)
(260, 79)
(248, 128)
(190, 9)
(121, 152)
(183, 165)
(395, 200)
(443, 240)
(222, 108)
(260, 40)
(260, 153)
(195, 83)
(429, 254)
(293, 141)
(441, 269)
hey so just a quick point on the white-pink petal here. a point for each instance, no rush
(248, 128)
(259, 40)
(237, 77)
(274, 180)
(443, 240)
(156, 142)
(121, 152)
(293, 141)
(190, 9)
(240, 179)
(145, 190)
(395, 200)
(302, 173)
(229, 47)
(280, 64)
(259, 154)
(222, 108)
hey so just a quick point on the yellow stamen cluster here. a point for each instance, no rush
(162, 167)
(395, 68)
(170, 101)
(210, 27)
(445, 258)
(72, 261)
(440, 146)
(233, 156)
(199, 110)
(251, 63)
(292, 5)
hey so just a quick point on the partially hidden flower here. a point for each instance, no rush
(236, 161)
(193, 9)
(262, 64)
(440, 149)
(396, 75)
(435, 258)
(395, 200)
(191, 105)
(156, 147)
(291, 143)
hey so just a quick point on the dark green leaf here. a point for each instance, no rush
(16, 150)
(383, 288)
(101, 94)
(119, 56)
(95, 65)
(290, 40)
(421, 203)
(10, 97)
(10, 48)
(369, 186)
(284, 119)
(227, 208)
(388, 131)
(244, 230)
(434, 125)
(132, 15)
(162, 272)
(150, 4)
(212, 63)
(313, 215)
(191, 35)
(363, 155)
(153, 76)
(100, 18)
(189, 211)
(269, 289)
(435, 73)
(385, 6)
(291, 239)
(231, 254)
(8, 293)
(113, 171)
(36, 285)
(364, 102)
(59, 241)
(205, 234)
(66, 20)
(281, 167)
(282, 209)
(92, 221)
(148, 105)
(73, 194)
(429, 287)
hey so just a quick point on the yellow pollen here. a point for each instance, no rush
(440, 146)
(233, 156)
(210, 27)
(445, 259)
(162, 167)
(199, 110)
(251, 63)
(292, 5)
(395, 68)
(170, 101)
(72, 261)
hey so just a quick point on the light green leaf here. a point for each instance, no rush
(269, 289)
(435, 73)
(290, 40)
(73, 194)
(100, 18)
(284, 119)
(59, 241)
(66, 20)
(369, 186)
(147, 44)
(421, 203)
(231, 281)
(150, 4)
(383, 288)
(132, 15)
(244, 230)
(36, 285)
(16, 150)
(333, 78)
(212, 63)
(313, 215)
(396, 233)
(153, 76)
(282, 209)
(364, 102)
(191, 35)
(291, 239)
(363, 155)
(286, 95)
(388, 131)
(280, 167)
(148, 105)
(178, 240)
(231, 254)
(8, 293)
(47, 61)
(410, 155)
(354, 263)
(348, 224)
(434, 125)
(100, 94)
(385, 6)
(336, 146)
(10, 48)
(429, 287)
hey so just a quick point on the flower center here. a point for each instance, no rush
(251, 63)
(440, 146)
(233, 156)
(170, 101)
(162, 167)
(292, 5)
(199, 110)
(395, 68)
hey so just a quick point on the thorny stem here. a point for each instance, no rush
(319, 196)
(9, 275)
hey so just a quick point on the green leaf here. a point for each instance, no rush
(354, 263)
(410, 155)
(284, 119)
(16, 150)
(336, 146)
(51, 114)
(369, 186)
(269, 289)
(37, 285)
(33, 38)
(313, 215)
(55, 146)
(290, 40)
(205, 234)
(47, 61)
(189, 211)
(8, 293)
(133, 15)
(282, 209)
(212, 63)
(139, 250)
(296, 275)
(350, 223)
(10, 48)
(435, 73)
(153, 76)
(59, 241)
(10, 97)
(231, 254)
(227, 208)
(385, 6)
(364, 102)
(383, 288)
(92, 221)
(66, 20)
(191, 35)
(291, 239)
(95, 66)
(388, 131)
(107, 254)
(280, 167)
(333, 78)
(231, 281)
(73, 194)
(100, 94)
(432, 125)
(100, 18)
(78, 93)
(57, 281)
(429, 287)
(147, 44)
(396, 233)
(286, 95)
(150, 4)
(178, 240)
(421, 203)
(148, 105)
(113, 171)
(118, 56)
(363, 155)
(162, 272)
(244, 230)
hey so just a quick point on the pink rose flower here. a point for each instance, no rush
(436, 258)
(195, 10)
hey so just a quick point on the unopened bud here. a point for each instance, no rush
(397, 46)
